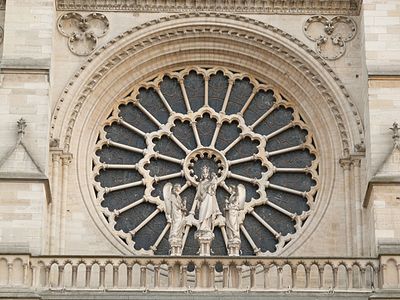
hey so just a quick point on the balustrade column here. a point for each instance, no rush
(349, 278)
(74, 276)
(157, 276)
(321, 276)
(115, 276)
(35, 276)
(239, 276)
(184, 276)
(308, 272)
(10, 273)
(363, 278)
(129, 276)
(294, 276)
(252, 277)
(87, 275)
(225, 278)
(102, 277)
(211, 278)
(335, 273)
(60, 280)
(143, 280)
(25, 274)
(47, 276)
(266, 281)
(279, 270)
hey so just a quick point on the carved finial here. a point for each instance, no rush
(21, 125)
(396, 135)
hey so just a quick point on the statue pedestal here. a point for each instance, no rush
(234, 247)
(204, 238)
(175, 247)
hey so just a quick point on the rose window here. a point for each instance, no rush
(170, 129)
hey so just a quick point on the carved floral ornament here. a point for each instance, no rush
(83, 32)
(197, 135)
(330, 35)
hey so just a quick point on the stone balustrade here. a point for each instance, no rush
(194, 273)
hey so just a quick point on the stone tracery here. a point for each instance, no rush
(244, 131)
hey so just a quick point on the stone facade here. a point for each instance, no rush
(67, 64)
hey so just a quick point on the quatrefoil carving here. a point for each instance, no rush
(83, 32)
(330, 35)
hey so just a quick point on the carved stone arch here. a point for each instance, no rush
(229, 41)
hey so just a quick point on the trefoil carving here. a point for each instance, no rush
(330, 35)
(83, 32)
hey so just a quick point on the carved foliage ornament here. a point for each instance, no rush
(166, 132)
(82, 32)
(330, 35)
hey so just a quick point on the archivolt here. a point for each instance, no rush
(270, 43)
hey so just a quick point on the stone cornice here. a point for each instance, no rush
(327, 7)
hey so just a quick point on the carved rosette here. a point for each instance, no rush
(82, 32)
(330, 35)
(167, 129)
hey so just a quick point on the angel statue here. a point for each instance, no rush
(233, 205)
(175, 208)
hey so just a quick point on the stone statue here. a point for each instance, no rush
(233, 205)
(208, 209)
(175, 208)
(207, 200)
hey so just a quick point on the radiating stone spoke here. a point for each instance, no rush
(266, 114)
(125, 147)
(168, 158)
(169, 176)
(282, 210)
(226, 99)
(242, 160)
(160, 237)
(231, 145)
(247, 104)
(119, 167)
(128, 207)
(285, 189)
(278, 131)
(131, 127)
(179, 143)
(148, 114)
(164, 101)
(206, 91)
(286, 150)
(292, 170)
(185, 97)
(145, 221)
(123, 186)
(249, 239)
(215, 135)
(265, 224)
(242, 178)
(196, 133)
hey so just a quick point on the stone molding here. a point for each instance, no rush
(126, 53)
(341, 7)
